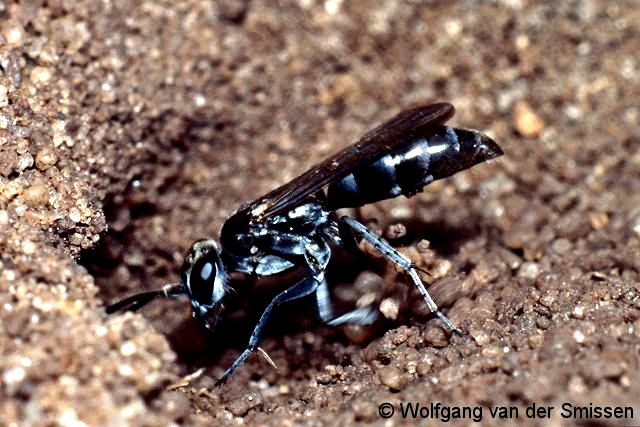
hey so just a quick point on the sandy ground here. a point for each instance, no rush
(130, 129)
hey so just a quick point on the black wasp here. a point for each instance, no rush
(296, 225)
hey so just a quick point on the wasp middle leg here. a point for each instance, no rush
(361, 316)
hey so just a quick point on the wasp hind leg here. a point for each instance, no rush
(402, 262)
(303, 288)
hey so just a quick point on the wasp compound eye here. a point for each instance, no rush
(205, 279)
(201, 281)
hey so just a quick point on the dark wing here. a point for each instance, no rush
(403, 128)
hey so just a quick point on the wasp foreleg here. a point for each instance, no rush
(304, 287)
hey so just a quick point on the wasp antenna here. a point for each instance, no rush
(173, 290)
(134, 302)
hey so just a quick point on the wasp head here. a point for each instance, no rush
(205, 280)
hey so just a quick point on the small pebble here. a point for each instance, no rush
(393, 377)
(40, 75)
(74, 215)
(36, 195)
(441, 269)
(128, 348)
(13, 376)
(11, 189)
(529, 270)
(492, 351)
(598, 220)
(526, 121)
(480, 337)
(390, 308)
(46, 158)
(548, 299)
(536, 340)
(543, 323)
(14, 35)
(25, 161)
(28, 247)
(435, 336)
(578, 336)
(561, 246)
(577, 385)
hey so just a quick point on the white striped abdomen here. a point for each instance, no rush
(408, 168)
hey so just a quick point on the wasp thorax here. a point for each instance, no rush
(205, 279)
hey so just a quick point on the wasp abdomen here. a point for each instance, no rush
(410, 167)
